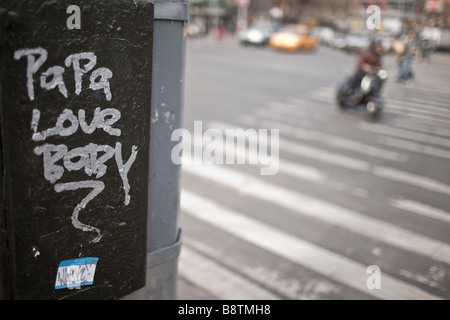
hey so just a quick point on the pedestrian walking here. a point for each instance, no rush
(407, 56)
(427, 48)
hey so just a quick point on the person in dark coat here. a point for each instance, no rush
(368, 59)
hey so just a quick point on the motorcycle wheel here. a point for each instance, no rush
(340, 100)
(373, 109)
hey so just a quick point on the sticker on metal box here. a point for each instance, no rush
(73, 274)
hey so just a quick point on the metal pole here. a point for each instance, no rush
(164, 234)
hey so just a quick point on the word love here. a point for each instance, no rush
(82, 63)
(103, 119)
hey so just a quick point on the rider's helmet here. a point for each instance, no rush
(377, 42)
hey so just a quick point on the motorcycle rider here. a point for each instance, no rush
(368, 60)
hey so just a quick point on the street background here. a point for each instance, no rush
(350, 193)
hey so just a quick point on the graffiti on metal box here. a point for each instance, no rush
(92, 158)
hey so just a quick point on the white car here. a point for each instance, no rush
(258, 34)
(357, 42)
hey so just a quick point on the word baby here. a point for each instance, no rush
(92, 158)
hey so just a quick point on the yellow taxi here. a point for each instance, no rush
(293, 38)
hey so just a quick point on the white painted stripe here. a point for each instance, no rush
(322, 95)
(415, 147)
(289, 116)
(409, 110)
(392, 109)
(412, 179)
(419, 107)
(434, 101)
(327, 263)
(421, 127)
(286, 109)
(401, 88)
(406, 134)
(324, 211)
(421, 118)
(337, 142)
(359, 165)
(302, 172)
(220, 282)
(324, 156)
(297, 170)
(298, 288)
(321, 98)
(312, 153)
(315, 105)
(421, 209)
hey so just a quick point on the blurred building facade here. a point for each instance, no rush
(397, 15)
(437, 13)
(313, 12)
(404, 14)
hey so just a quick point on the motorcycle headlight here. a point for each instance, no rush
(383, 74)
(366, 83)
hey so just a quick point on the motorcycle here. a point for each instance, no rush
(367, 95)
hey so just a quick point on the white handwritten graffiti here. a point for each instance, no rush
(99, 78)
(92, 158)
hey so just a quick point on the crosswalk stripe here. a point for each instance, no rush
(407, 109)
(412, 179)
(283, 108)
(435, 102)
(298, 288)
(324, 211)
(303, 172)
(406, 134)
(400, 123)
(410, 109)
(297, 170)
(421, 209)
(327, 263)
(417, 87)
(421, 118)
(360, 165)
(330, 92)
(337, 142)
(284, 115)
(217, 280)
(420, 107)
(418, 117)
(313, 153)
(415, 147)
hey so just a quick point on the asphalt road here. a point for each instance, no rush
(349, 193)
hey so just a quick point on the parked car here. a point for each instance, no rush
(438, 37)
(338, 41)
(293, 38)
(357, 42)
(195, 29)
(325, 35)
(258, 34)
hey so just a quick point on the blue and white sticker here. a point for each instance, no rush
(73, 274)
